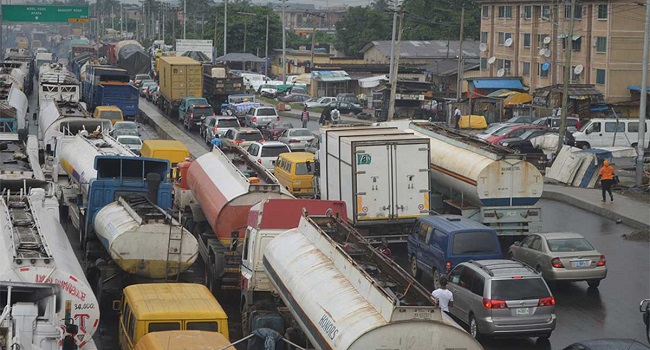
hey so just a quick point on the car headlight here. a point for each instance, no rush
(505, 144)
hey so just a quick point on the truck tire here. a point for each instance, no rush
(436, 278)
(415, 271)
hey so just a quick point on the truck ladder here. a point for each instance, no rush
(174, 252)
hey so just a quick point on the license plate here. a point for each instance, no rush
(522, 311)
(580, 263)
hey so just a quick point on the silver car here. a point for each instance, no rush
(317, 102)
(266, 153)
(258, 116)
(502, 298)
(243, 137)
(561, 257)
(219, 126)
(491, 130)
(296, 139)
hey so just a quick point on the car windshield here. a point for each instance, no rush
(503, 131)
(203, 111)
(274, 151)
(132, 132)
(110, 115)
(519, 289)
(249, 136)
(306, 168)
(492, 129)
(540, 121)
(130, 141)
(569, 245)
(127, 125)
(514, 120)
(228, 123)
(302, 132)
(480, 242)
(527, 134)
(266, 111)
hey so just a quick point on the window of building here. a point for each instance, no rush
(540, 40)
(542, 73)
(601, 44)
(528, 12)
(600, 76)
(576, 15)
(507, 64)
(526, 39)
(485, 11)
(545, 12)
(483, 63)
(575, 78)
(500, 63)
(505, 11)
(525, 69)
(502, 38)
(577, 44)
(484, 37)
(602, 11)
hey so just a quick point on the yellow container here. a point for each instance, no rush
(182, 340)
(155, 307)
(295, 171)
(180, 77)
(112, 113)
(171, 150)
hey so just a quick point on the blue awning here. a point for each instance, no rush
(512, 84)
(637, 88)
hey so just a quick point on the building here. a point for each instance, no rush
(528, 38)
(301, 18)
(419, 52)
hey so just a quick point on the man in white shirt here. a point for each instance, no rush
(457, 116)
(444, 296)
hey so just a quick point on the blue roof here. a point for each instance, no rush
(513, 84)
(637, 88)
(453, 223)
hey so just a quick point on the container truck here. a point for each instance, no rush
(484, 182)
(219, 83)
(345, 294)
(109, 86)
(132, 57)
(36, 249)
(381, 173)
(215, 193)
(57, 84)
(179, 77)
(118, 204)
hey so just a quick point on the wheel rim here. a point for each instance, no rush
(516, 150)
(473, 328)
(436, 279)
(414, 267)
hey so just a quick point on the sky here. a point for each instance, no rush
(318, 3)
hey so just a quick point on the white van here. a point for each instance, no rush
(601, 132)
(254, 80)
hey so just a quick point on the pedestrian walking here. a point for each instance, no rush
(606, 176)
(305, 117)
(445, 297)
(457, 116)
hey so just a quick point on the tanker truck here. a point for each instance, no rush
(118, 203)
(56, 83)
(484, 182)
(36, 249)
(215, 194)
(345, 294)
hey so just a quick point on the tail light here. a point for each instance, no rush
(293, 141)
(494, 304)
(215, 128)
(278, 118)
(254, 119)
(557, 263)
(192, 116)
(237, 142)
(601, 261)
(548, 301)
(448, 266)
(259, 160)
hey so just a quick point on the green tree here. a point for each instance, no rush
(381, 5)
(440, 20)
(359, 27)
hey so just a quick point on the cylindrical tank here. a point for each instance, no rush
(35, 248)
(138, 242)
(480, 180)
(225, 194)
(337, 315)
(132, 57)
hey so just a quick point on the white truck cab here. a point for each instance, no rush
(609, 132)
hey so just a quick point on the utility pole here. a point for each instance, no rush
(225, 27)
(640, 146)
(459, 85)
(112, 18)
(121, 20)
(393, 84)
(284, 47)
(567, 76)
(266, 48)
(246, 26)
(184, 16)
(216, 19)
(313, 37)
(163, 22)
(392, 41)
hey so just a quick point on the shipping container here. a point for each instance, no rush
(180, 77)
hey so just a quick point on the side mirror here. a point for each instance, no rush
(517, 243)
(117, 305)
(588, 131)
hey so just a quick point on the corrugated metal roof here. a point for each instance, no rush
(239, 57)
(498, 84)
(330, 75)
(428, 48)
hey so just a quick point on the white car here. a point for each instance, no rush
(317, 102)
(266, 153)
(296, 139)
(258, 116)
(134, 143)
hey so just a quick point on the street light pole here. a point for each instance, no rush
(567, 75)
(184, 16)
(266, 49)
(284, 47)
(640, 145)
(225, 27)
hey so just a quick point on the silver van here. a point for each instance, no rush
(502, 298)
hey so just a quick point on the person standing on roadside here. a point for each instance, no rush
(457, 116)
(445, 296)
(606, 177)
(305, 117)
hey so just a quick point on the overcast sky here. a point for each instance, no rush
(323, 3)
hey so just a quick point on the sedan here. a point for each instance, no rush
(132, 142)
(296, 139)
(266, 153)
(294, 98)
(511, 132)
(561, 257)
(274, 129)
(522, 144)
(125, 128)
(517, 120)
(319, 102)
(491, 130)
(243, 137)
(345, 107)
(144, 88)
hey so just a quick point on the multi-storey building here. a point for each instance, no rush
(528, 38)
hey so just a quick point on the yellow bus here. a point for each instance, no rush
(182, 340)
(156, 307)
(295, 171)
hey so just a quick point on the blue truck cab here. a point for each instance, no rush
(109, 86)
(437, 243)
(185, 104)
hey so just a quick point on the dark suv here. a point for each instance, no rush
(195, 115)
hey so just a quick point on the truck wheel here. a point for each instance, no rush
(244, 319)
(415, 271)
(436, 278)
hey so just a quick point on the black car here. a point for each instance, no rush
(344, 107)
(522, 143)
(195, 115)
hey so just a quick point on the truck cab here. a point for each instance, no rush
(112, 113)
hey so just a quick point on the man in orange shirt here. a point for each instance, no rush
(606, 177)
